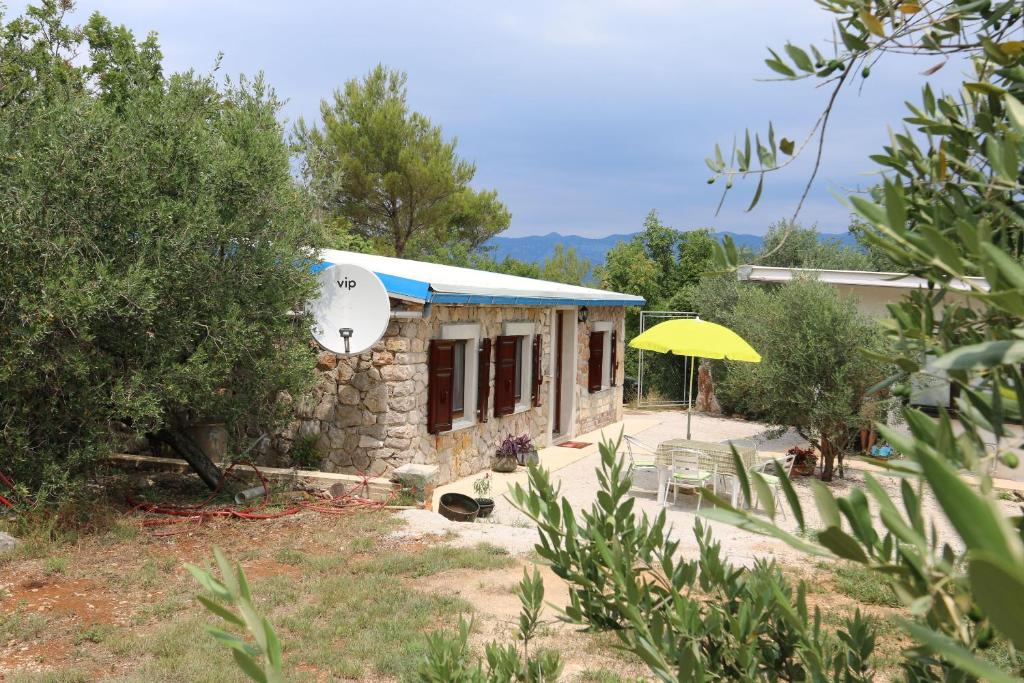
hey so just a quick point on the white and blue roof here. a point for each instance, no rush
(441, 284)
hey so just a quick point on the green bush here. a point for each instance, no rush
(700, 619)
(152, 241)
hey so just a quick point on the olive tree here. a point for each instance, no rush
(813, 375)
(153, 242)
(947, 207)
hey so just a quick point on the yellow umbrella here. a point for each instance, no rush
(697, 338)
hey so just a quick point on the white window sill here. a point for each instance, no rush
(462, 423)
(603, 390)
(522, 408)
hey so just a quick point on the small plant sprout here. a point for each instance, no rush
(482, 486)
(234, 592)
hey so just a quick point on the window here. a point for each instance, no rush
(603, 362)
(520, 361)
(459, 379)
(517, 376)
(457, 370)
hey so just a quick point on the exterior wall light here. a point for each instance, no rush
(582, 315)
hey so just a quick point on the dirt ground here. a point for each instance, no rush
(110, 605)
(352, 596)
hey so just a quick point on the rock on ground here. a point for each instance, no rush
(7, 542)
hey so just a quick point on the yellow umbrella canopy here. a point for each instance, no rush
(695, 337)
(699, 338)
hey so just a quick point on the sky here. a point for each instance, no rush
(583, 114)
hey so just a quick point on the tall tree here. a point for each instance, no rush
(391, 174)
(563, 265)
(152, 239)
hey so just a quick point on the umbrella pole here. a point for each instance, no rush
(689, 396)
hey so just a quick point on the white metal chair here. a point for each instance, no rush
(641, 458)
(773, 479)
(686, 471)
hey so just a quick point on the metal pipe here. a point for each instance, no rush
(250, 494)
(412, 315)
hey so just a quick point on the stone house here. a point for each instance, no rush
(468, 357)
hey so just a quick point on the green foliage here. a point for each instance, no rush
(947, 208)
(448, 658)
(691, 620)
(304, 453)
(663, 265)
(563, 265)
(390, 174)
(260, 658)
(789, 245)
(482, 485)
(814, 375)
(152, 241)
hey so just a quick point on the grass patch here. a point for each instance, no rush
(600, 676)
(863, 585)
(436, 559)
(55, 564)
(63, 676)
(347, 611)
(21, 626)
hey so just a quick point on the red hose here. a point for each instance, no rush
(200, 512)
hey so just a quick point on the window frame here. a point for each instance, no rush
(469, 335)
(526, 330)
(607, 328)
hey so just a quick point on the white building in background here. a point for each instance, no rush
(873, 292)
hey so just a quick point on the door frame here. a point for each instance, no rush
(570, 358)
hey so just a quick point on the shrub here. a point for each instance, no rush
(145, 283)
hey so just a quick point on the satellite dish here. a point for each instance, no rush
(353, 310)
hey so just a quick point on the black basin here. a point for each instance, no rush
(459, 508)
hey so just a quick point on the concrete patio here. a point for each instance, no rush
(573, 470)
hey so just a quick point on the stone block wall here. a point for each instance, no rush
(368, 413)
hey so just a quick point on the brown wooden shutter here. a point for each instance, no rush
(439, 385)
(483, 379)
(596, 362)
(538, 376)
(505, 376)
(615, 358)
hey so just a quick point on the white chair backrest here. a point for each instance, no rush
(645, 451)
(787, 465)
(685, 459)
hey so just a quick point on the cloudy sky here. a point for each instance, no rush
(583, 114)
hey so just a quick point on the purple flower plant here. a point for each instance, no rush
(512, 446)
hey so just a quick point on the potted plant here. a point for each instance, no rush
(481, 487)
(527, 452)
(506, 458)
(804, 462)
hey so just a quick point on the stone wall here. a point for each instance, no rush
(602, 407)
(368, 413)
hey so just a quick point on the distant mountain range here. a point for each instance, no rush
(535, 248)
